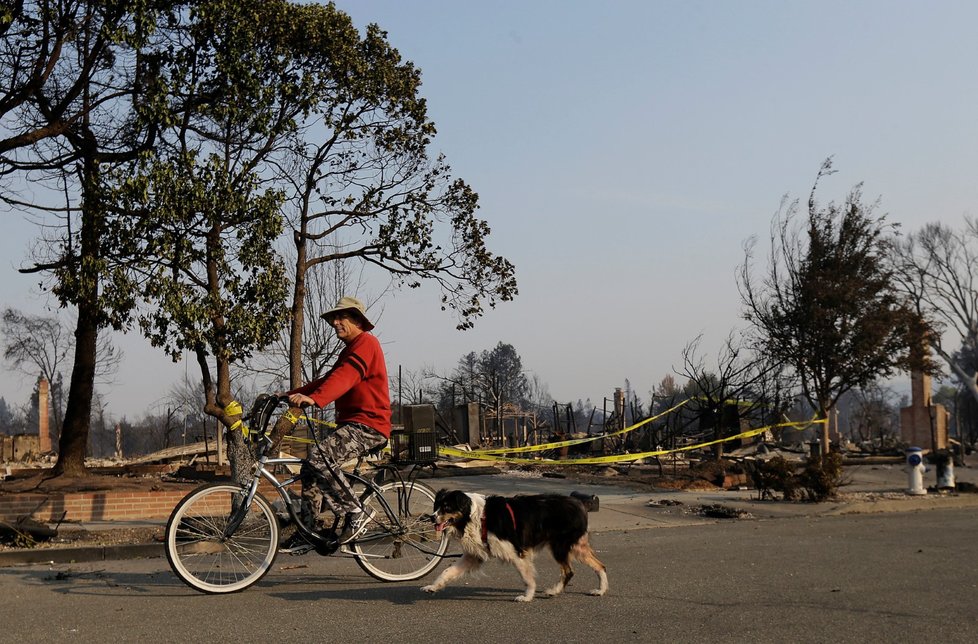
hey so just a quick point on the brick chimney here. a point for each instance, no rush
(43, 423)
(923, 424)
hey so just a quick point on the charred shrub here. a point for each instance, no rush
(716, 471)
(821, 477)
(775, 475)
(818, 479)
(711, 471)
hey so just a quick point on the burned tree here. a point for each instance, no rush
(827, 307)
(736, 390)
(938, 270)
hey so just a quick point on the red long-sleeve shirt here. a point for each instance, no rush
(357, 383)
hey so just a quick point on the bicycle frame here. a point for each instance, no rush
(262, 471)
(223, 537)
(262, 414)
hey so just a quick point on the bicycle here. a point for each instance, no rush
(224, 537)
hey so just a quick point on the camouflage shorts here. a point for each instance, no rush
(319, 489)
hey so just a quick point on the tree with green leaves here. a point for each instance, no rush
(288, 116)
(827, 307)
(363, 186)
(78, 98)
(211, 280)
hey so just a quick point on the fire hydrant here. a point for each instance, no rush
(915, 471)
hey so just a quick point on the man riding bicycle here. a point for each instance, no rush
(357, 384)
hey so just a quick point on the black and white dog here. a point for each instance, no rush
(511, 529)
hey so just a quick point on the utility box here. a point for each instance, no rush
(417, 417)
(419, 446)
(418, 441)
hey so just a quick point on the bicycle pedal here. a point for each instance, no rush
(295, 545)
(297, 550)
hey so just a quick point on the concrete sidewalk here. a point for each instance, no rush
(870, 488)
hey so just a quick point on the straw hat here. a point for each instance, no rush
(350, 305)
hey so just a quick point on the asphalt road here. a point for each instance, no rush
(895, 577)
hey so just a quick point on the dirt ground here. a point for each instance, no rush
(44, 483)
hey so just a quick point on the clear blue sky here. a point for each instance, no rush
(624, 151)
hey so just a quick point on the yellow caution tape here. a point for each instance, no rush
(233, 408)
(498, 454)
(573, 441)
(240, 425)
(620, 458)
(296, 439)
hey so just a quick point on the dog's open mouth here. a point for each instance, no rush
(441, 525)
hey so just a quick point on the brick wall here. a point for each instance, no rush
(100, 506)
(91, 506)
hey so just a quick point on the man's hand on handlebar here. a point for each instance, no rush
(299, 400)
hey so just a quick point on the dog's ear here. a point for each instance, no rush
(439, 496)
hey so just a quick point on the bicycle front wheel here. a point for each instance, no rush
(403, 546)
(203, 557)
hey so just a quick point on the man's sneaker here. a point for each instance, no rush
(355, 525)
(296, 545)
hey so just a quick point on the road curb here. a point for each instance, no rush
(78, 555)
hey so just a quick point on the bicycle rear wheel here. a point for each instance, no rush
(202, 557)
(404, 548)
